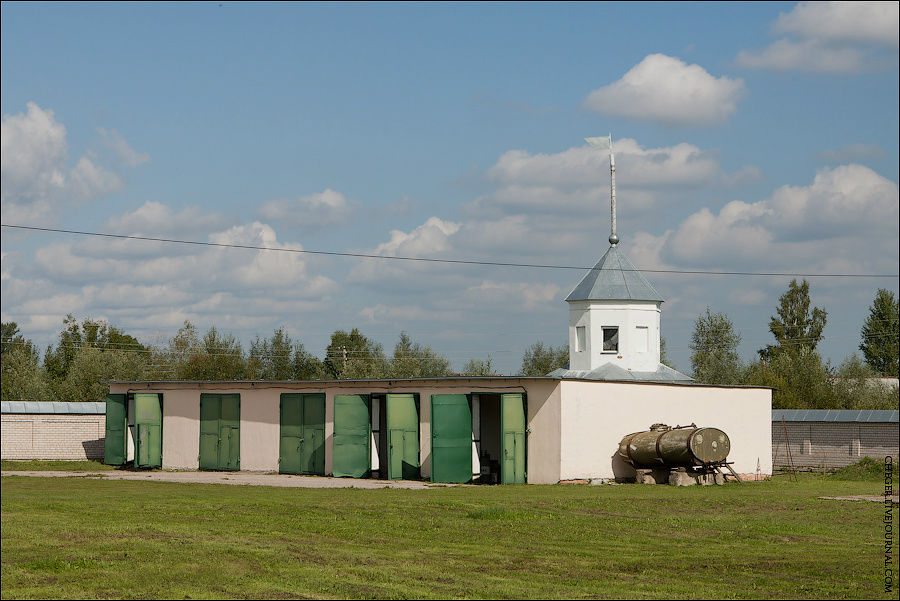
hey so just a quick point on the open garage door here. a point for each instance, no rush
(451, 438)
(352, 453)
(114, 444)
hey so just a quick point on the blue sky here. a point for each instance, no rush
(755, 137)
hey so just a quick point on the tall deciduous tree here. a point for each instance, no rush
(540, 360)
(412, 360)
(800, 379)
(880, 334)
(218, 357)
(479, 367)
(714, 356)
(350, 355)
(90, 333)
(280, 358)
(22, 378)
(795, 327)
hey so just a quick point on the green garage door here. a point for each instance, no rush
(116, 426)
(352, 435)
(220, 432)
(451, 438)
(148, 430)
(403, 436)
(302, 434)
(512, 416)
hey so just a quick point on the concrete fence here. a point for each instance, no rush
(52, 430)
(830, 439)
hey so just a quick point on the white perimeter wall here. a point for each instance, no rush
(596, 415)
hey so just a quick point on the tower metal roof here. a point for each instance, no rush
(614, 277)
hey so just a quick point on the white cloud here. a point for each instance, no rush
(577, 179)
(664, 89)
(314, 210)
(679, 165)
(428, 239)
(36, 181)
(120, 146)
(154, 218)
(88, 180)
(868, 22)
(806, 55)
(846, 220)
(33, 154)
(831, 37)
(200, 283)
(432, 238)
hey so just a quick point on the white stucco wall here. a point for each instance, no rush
(638, 351)
(596, 415)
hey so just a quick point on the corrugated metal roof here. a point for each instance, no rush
(614, 278)
(610, 372)
(51, 407)
(836, 415)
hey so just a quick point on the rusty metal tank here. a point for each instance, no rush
(682, 446)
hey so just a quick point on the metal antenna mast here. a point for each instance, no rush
(603, 143)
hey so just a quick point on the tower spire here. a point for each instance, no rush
(604, 142)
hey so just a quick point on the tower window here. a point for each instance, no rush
(579, 338)
(611, 340)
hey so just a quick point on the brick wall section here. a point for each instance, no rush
(832, 445)
(52, 436)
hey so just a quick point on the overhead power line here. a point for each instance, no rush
(436, 260)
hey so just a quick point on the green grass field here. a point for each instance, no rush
(80, 537)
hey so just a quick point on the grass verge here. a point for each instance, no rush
(62, 466)
(78, 538)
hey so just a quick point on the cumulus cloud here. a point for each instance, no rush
(869, 22)
(577, 179)
(155, 218)
(805, 55)
(161, 289)
(123, 150)
(846, 216)
(663, 89)
(830, 37)
(36, 179)
(314, 210)
(679, 165)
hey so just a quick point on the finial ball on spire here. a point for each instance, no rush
(613, 239)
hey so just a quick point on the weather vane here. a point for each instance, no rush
(604, 142)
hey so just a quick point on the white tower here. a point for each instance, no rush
(614, 313)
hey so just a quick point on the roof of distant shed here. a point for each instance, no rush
(51, 407)
(835, 415)
(614, 277)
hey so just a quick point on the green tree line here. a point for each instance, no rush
(792, 365)
(90, 353)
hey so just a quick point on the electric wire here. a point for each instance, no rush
(438, 260)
